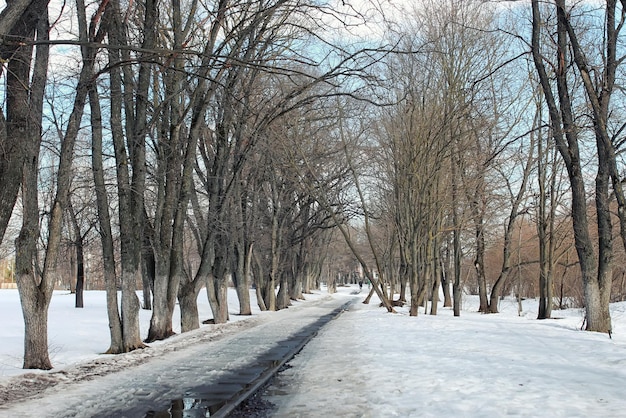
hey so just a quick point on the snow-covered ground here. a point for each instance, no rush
(76, 335)
(368, 363)
(372, 364)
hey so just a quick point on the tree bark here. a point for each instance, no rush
(188, 299)
(565, 133)
(130, 192)
(24, 119)
(104, 220)
(78, 245)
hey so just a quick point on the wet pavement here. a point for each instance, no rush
(201, 380)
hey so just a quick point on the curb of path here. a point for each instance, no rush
(230, 405)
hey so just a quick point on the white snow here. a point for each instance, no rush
(75, 335)
(368, 363)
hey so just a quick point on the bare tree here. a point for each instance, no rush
(596, 270)
(516, 200)
(128, 119)
(24, 119)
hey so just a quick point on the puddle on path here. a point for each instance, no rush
(187, 408)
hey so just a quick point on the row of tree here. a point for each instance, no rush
(210, 143)
(501, 114)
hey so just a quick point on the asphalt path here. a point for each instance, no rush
(199, 377)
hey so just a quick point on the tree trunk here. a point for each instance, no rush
(446, 276)
(78, 257)
(24, 116)
(130, 311)
(435, 273)
(35, 308)
(415, 290)
(595, 273)
(282, 298)
(402, 279)
(260, 282)
(18, 19)
(34, 295)
(188, 303)
(104, 220)
(148, 273)
(456, 236)
(80, 274)
(240, 277)
(544, 216)
(217, 292)
(161, 321)
(479, 265)
(130, 158)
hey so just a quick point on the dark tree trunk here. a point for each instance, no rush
(240, 280)
(79, 257)
(456, 244)
(260, 282)
(595, 272)
(130, 155)
(104, 220)
(217, 292)
(148, 274)
(18, 19)
(282, 298)
(24, 116)
(80, 275)
(436, 275)
(479, 265)
(188, 302)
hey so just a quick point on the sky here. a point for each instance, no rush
(369, 363)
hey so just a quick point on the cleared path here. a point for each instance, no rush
(197, 375)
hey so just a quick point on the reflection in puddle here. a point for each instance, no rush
(188, 408)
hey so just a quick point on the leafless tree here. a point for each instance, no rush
(596, 269)
(24, 126)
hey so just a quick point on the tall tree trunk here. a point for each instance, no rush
(599, 96)
(456, 241)
(545, 222)
(104, 220)
(34, 293)
(241, 251)
(24, 118)
(166, 225)
(130, 154)
(565, 135)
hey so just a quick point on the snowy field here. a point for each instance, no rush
(373, 364)
(368, 363)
